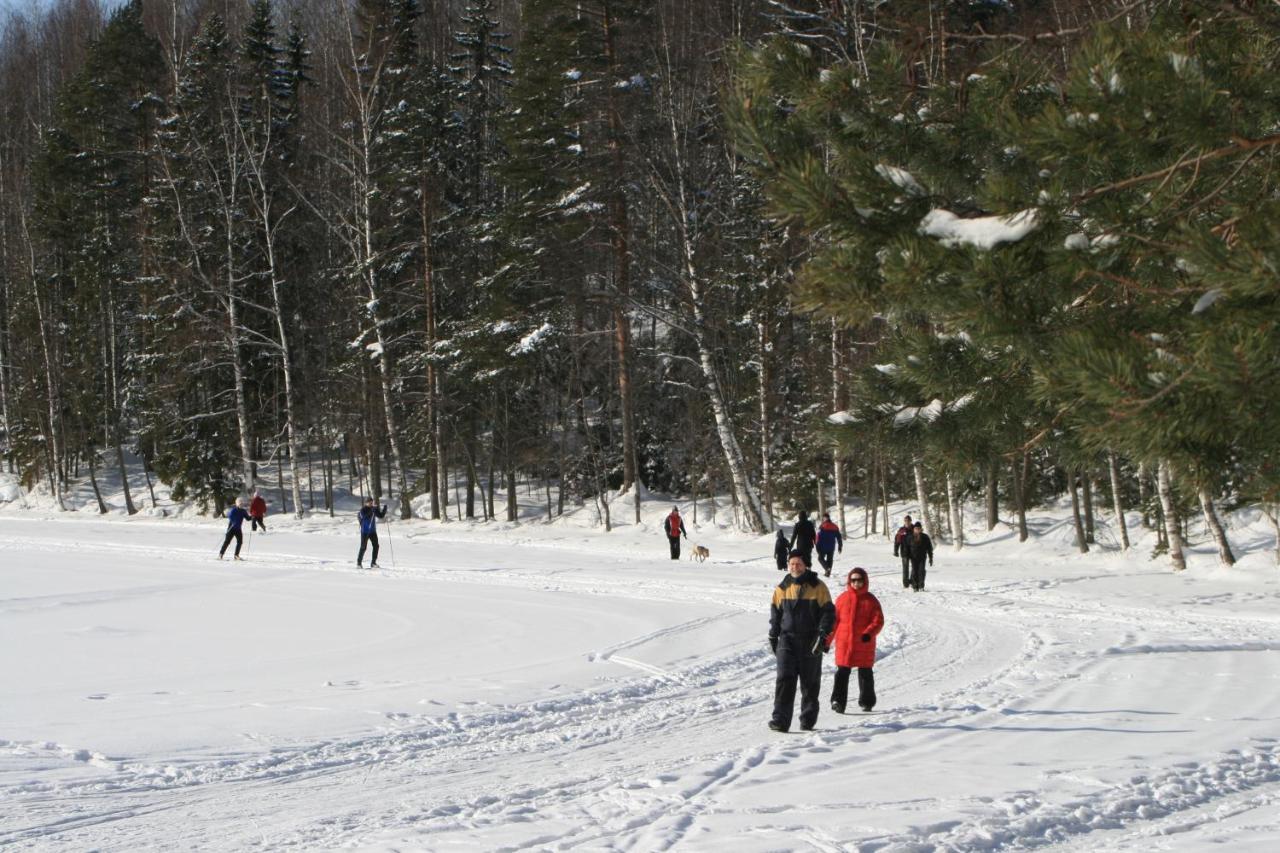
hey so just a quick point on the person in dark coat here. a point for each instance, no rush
(258, 512)
(829, 539)
(800, 618)
(673, 524)
(803, 536)
(921, 547)
(369, 515)
(235, 518)
(900, 549)
(858, 621)
(781, 550)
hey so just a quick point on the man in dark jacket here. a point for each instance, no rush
(369, 515)
(829, 539)
(802, 538)
(674, 525)
(920, 546)
(900, 549)
(235, 518)
(781, 550)
(800, 618)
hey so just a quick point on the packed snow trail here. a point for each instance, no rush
(493, 693)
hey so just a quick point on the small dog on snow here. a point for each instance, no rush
(700, 553)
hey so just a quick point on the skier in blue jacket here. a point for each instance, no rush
(235, 517)
(369, 515)
(829, 539)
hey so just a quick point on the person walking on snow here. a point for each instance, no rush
(900, 549)
(369, 515)
(235, 518)
(674, 526)
(801, 617)
(858, 621)
(920, 546)
(781, 550)
(829, 539)
(803, 536)
(258, 512)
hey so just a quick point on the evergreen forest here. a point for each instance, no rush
(808, 254)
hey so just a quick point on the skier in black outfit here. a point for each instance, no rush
(369, 515)
(803, 537)
(901, 549)
(235, 517)
(674, 525)
(801, 617)
(781, 550)
(920, 546)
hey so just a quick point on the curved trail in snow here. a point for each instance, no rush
(668, 754)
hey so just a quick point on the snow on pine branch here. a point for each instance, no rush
(983, 232)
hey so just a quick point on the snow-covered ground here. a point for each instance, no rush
(551, 686)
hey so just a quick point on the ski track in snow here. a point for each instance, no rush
(665, 743)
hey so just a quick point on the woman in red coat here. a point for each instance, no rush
(858, 620)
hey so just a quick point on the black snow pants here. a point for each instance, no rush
(826, 559)
(866, 687)
(232, 534)
(258, 521)
(675, 546)
(906, 568)
(917, 572)
(368, 539)
(797, 662)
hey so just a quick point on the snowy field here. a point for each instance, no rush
(554, 687)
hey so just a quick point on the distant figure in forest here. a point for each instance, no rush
(829, 539)
(369, 515)
(258, 512)
(900, 549)
(674, 526)
(921, 547)
(781, 550)
(803, 537)
(235, 518)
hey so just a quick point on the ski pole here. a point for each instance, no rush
(391, 548)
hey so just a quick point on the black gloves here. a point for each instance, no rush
(773, 644)
(866, 638)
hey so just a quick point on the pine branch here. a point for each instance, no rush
(1240, 146)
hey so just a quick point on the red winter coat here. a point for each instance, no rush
(257, 507)
(857, 613)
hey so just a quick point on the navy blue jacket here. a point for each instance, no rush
(236, 516)
(829, 537)
(369, 518)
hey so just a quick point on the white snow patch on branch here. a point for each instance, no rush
(1203, 303)
(983, 232)
(901, 178)
(841, 418)
(530, 341)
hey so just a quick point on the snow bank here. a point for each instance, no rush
(983, 232)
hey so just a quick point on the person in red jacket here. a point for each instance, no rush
(858, 621)
(258, 512)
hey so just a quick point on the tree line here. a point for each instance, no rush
(447, 249)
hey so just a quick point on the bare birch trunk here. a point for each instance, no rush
(1142, 494)
(922, 496)
(52, 402)
(1215, 527)
(1117, 503)
(953, 512)
(93, 481)
(1272, 512)
(766, 424)
(1081, 542)
(1020, 496)
(836, 400)
(744, 492)
(1164, 485)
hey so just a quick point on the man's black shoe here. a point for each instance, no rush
(837, 707)
(865, 707)
(806, 727)
(374, 566)
(777, 727)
